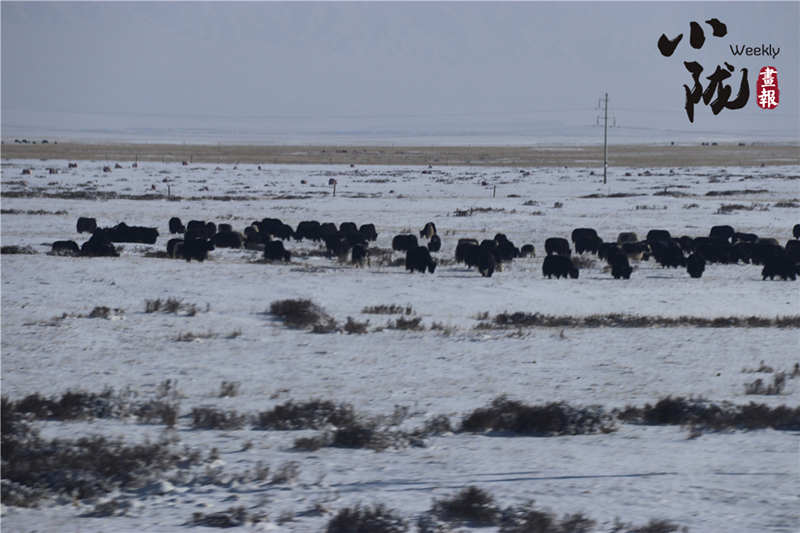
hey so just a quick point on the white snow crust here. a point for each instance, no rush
(730, 481)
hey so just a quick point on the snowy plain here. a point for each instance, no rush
(730, 481)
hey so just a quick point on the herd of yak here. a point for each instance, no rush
(723, 245)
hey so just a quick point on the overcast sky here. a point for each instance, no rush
(379, 67)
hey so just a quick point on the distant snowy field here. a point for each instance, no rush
(735, 481)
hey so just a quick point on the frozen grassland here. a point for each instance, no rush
(710, 481)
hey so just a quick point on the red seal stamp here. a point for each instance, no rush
(767, 93)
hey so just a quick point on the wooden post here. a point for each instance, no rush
(494, 191)
(334, 189)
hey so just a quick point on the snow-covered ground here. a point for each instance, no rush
(732, 481)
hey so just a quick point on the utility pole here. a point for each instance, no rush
(605, 144)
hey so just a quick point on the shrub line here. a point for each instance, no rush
(508, 320)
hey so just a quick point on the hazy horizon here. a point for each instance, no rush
(458, 72)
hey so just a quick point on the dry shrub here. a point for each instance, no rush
(210, 418)
(653, 526)
(171, 305)
(312, 444)
(366, 434)
(438, 424)
(583, 261)
(314, 414)
(77, 405)
(758, 387)
(519, 319)
(388, 310)
(100, 312)
(229, 389)
(472, 210)
(729, 208)
(301, 313)
(158, 411)
(471, 506)
(699, 413)
(377, 519)
(384, 257)
(17, 249)
(231, 517)
(552, 419)
(526, 519)
(83, 468)
(353, 326)
(736, 193)
(158, 254)
(287, 473)
(412, 324)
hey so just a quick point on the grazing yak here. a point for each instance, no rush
(488, 262)
(308, 229)
(780, 266)
(668, 254)
(743, 237)
(722, 232)
(65, 248)
(254, 240)
(356, 238)
(557, 246)
(435, 244)
(172, 246)
(620, 266)
(327, 229)
(338, 246)
(559, 266)
(228, 239)
(587, 243)
(796, 231)
(369, 232)
(403, 243)
(764, 250)
(492, 248)
(274, 227)
(133, 234)
(655, 235)
(695, 265)
(176, 226)
(627, 236)
(419, 259)
(505, 248)
(579, 232)
(586, 240)
(793, 250)
(428, 231)
(87, 225)
(274, 251)
(98, 245)
(467, 252)
(196, 249)
(346, 228)
(636, 251)
(527, 250)
(201, 229)
(360, 255)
